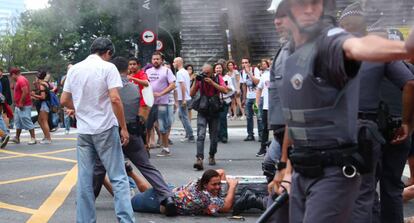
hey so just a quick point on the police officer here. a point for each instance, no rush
(276, 121)
(272, 161)
(135, 150)
(371, 75)
(319, 94)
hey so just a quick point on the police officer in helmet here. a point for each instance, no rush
(374, 127)
(319, 91)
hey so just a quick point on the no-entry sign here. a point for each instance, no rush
(148, 36)
(160, 45)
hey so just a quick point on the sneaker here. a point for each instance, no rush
(211, 161)
(249, 138)
(32, 141)
(4, 141)
(242, 118)
(170, 142)
(190, 140)
(66, 132)
(164, 153)
(15, 140)
(45, 142)
(198, 164)
(224, 140)
(262, 152)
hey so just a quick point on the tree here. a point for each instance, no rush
(62, 33)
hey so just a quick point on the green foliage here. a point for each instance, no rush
(53, 37)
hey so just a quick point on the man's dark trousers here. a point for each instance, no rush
(138, 155)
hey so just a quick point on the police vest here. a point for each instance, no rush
(275, 115)
(129, 94)
(318, 115)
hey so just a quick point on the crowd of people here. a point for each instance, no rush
(41, 95)
(339, 107)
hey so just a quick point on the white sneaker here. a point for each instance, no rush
(242, 118)
(164, 153)
(66, 132)
(45, 141)
(15, 140)
(32, 141)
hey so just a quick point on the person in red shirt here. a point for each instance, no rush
(23, 106)
(139, 77)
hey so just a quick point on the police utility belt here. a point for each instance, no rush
(136, 128)
(310, 162)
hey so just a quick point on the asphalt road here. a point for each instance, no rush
(37, 183)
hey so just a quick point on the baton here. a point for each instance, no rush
(279, 201)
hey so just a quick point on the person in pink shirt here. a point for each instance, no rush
(162, 81)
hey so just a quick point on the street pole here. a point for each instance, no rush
(147, 29)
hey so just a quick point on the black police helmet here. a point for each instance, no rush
(101, 45)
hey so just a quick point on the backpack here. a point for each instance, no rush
(53, 102)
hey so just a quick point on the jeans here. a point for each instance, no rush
(265, 131)
(107, 147)
(260, 125)
(249, 117)
(147, 201)
(3, 126)
(66, 120)
(183, 115)
(22, 118)
(159, 113)
(136, 152)
(202, 122)
(222, 129)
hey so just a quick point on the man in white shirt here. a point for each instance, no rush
(249, 97)
(183, 84)
(262, 94)
(91, 90)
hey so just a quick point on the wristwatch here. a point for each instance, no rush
(281, 165)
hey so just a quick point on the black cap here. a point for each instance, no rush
(101, 45)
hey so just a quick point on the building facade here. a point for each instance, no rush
(211, 29)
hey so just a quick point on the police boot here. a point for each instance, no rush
(247, 200)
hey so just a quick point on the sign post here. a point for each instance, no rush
(147, 29)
